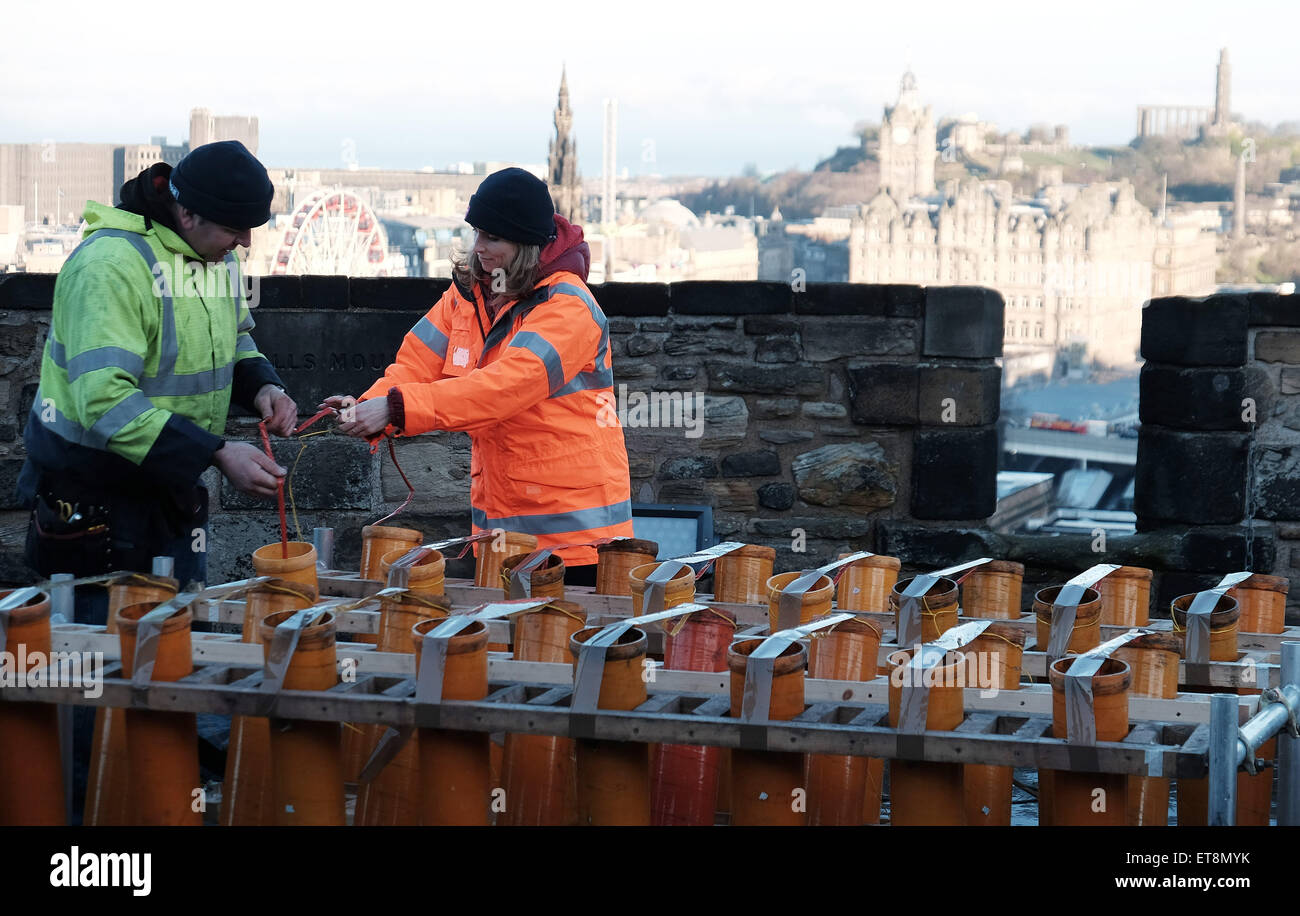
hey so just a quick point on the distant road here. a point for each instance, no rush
(1052, 443)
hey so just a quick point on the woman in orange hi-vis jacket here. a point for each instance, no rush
(516, 353)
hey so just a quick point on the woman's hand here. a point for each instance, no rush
(362, 420)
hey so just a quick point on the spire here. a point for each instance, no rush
(562, 163)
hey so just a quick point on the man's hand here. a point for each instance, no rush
(277, 409)
(248, 468)
(363, 420)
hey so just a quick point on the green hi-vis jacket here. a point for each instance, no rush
(147, 345)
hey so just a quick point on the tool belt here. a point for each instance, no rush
(84, 531)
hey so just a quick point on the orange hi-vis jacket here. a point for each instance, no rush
(534, 390)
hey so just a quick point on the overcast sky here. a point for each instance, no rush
(700, 91)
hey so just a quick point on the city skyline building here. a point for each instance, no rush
(562, 159)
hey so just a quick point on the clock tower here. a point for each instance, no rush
(907, 145)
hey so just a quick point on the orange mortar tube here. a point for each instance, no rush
(31, 768)
(454, 778)
(162, 747)
(613, 777)
(766, 785)
(306, 756)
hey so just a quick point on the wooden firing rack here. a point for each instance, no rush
(1257, 665)
(1168, 737)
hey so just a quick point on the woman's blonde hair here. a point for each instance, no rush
(514, 281)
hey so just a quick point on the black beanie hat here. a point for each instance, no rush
(515, 205)
(225, 183)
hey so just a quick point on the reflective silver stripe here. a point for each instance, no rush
(179, 386)
(540, 347)
(99, 358)
(585, 381)
(115, 419)
(603, 375)
(558, 522)
(245, 344)
(428, 334)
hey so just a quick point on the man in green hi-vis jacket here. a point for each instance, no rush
(148, 346)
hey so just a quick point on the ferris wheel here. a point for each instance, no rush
(333, 232)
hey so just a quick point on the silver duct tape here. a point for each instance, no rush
(284, 642)
(389, 746)
(960, 636)
(399, 576)
(591, 666)
(433, 658)
(66, 579)
(909, 609)
(669, 614)
(1234, 579)
(845, 561)
(790, 601)
(493, 610)
(1198, 624)
(521, 577)
(914, 703)
(652, 599)
(709, 554)
(1080, 715)
(148, 633)
(756, 703)
(1064, 611)
(1093, 574)
(961, 567)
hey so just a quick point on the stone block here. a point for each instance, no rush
(880, 300)
(696, 343)
(334, 473)
(1272, 309)
(640, 465)
(954, 473)
(397, 294)
(632, 299)
(718, 297)
(1193, 477)
(726, 421)
(1195, 332)
(732, 495)
(438, 467)
(688, 492)
(775, 408)
(643, 344)
(751, 464)
(853, 475)
(771, 326)
(747, 378)
(688, 466)
(959, 395)
(883, 394)
(777, 350)
(621, 325)
(778, 496)
(823, 410)
(321, 292)
(962, 321)
(1277, 481)
(1181, 397)
(1278, 346)
(9, 471)
(837, 338)
(28, 292)
(926, 547)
